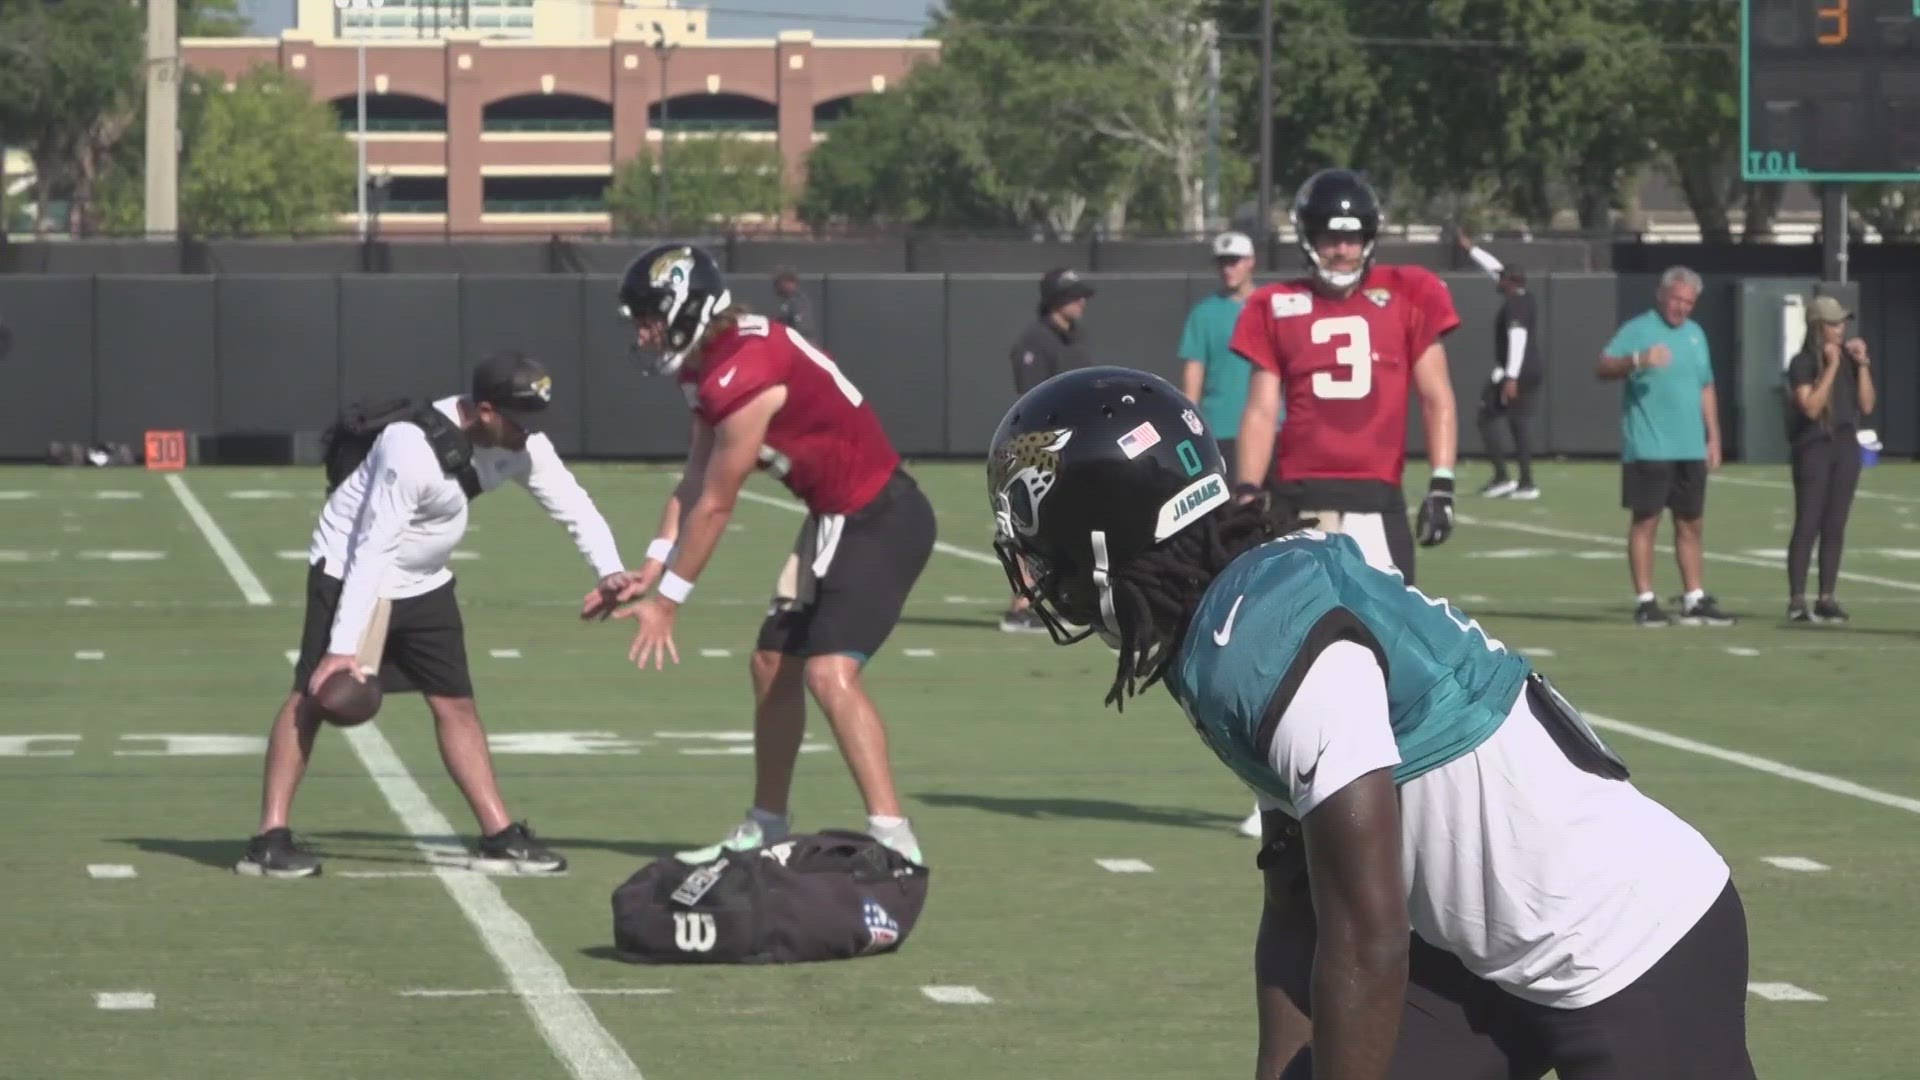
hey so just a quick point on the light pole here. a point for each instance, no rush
(360, 104)
(663, 51)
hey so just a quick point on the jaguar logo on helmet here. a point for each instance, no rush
(1022, 474)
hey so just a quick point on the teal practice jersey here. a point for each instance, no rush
(1268, 615)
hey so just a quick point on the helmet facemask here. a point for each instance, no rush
(1341, 281)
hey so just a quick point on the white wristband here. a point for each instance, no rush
(675, 588)
(661, 550)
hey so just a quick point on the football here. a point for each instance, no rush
(346, 701)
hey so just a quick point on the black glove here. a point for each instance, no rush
(1435, 521)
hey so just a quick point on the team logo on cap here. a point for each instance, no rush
(542, 388)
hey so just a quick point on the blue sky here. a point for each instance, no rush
(732, 18)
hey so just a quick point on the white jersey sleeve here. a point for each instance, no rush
(1334, 731)
(555, 488)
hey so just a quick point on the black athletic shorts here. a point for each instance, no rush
(1648, 487)
(1684, 1019)
(847, 580)
(426, 641)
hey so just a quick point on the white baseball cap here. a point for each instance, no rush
(1232, 245)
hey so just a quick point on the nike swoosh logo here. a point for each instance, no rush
(1225, 633)
(728, 377)
(1304, 777)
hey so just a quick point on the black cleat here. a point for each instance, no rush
(515, 850)
(1704, 612)
(1649, 613)
(1797, 613)
(1829, 611)
(274, 854)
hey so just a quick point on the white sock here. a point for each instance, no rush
(772, 826)
(1693, 597)
(1644, 598)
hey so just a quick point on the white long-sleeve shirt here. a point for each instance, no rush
(1516, 353)
(389, 529)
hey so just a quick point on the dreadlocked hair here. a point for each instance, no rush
(1154, 594)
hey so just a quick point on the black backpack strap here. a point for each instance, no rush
(451, 447)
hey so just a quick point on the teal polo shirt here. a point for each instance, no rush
(1660, 417)
(1223, 389)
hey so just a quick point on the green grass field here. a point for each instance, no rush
(126, 631)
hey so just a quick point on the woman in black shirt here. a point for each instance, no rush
(1831, 391)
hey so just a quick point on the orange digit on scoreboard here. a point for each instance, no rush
(1837, 11)
(167, 450)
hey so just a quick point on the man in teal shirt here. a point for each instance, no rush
(1214, 375)
(1670, 440)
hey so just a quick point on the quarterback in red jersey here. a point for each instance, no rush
(763, 396)
(1344, 344)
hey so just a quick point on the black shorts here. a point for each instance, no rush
(426, 647)
(845, 584)
(1648, 487)
(1684, 1019)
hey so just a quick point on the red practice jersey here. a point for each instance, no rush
(825, 443)
(1345, 367)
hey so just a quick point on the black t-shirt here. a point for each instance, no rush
(1043, 351)
(1843, 402)
(1518, 310)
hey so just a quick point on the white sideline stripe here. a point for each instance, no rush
(387, 873)
(1544, 653)
(1783, 992)
(564, 1020)
(112, 494)
(1124, 866)
(941, 546)
(103, 871)
(1795, 862)
(80, 601)
(956, 995)
(922, 653)
(237, 567)
(89, 654)
(622, 991)
(716, 654)
(1716, 556)
(1758, 764)
(1741, 650)
(10, 495)
(1782, 485)
(123, 999)
(570, 1027)
(504, 654)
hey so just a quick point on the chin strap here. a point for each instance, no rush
(1109, 620)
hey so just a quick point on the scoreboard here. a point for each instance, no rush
(1830, 90)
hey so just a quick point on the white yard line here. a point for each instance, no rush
(1759, 764)
(223, 548)
(563, 1017)
(570, 1028)
(1716, 556)
(1783, 485)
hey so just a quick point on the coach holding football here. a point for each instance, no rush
(1670, 440)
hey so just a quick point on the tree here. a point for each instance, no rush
(709, 181)
(266, 160)
(67, 93)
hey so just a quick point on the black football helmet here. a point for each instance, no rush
(1087, 470)
(680, 284)
(1336, 200)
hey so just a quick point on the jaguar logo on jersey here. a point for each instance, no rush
(1378, 296)
(1021, 476)
(882, 930)
(1193, 500)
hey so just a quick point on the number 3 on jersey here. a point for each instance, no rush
(1356, 353)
